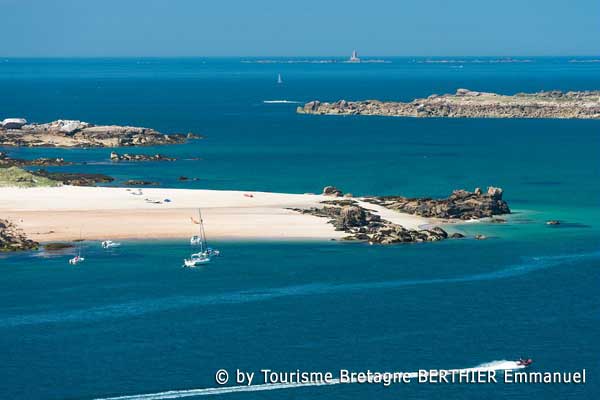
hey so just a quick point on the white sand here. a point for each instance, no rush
(48, 214)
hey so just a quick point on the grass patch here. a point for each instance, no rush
(18, 177)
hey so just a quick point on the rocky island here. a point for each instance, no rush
(360, 223)
(471, 104)
(72, 133)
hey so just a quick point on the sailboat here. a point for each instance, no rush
(279, 80)
(78, 258)
(205, 253)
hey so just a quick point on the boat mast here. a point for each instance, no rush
(202, 234)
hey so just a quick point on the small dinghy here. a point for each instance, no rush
(107, 244)
(196, 260)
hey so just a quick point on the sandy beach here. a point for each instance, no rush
(61, 213)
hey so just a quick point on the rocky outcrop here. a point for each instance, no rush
(461, 204)
(361, 224)
(13, 239)
(74, 178)
(471, 104)
(332, 191)
(58, 246)
(114, 156)
(6, 161)
(73, 133)
(13, 123)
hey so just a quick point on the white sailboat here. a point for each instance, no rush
(279, 80)
(78, 258)
(205, 253)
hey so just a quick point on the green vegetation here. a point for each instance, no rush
(18, 177)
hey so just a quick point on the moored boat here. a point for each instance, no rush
(205, 253)
(107, 244)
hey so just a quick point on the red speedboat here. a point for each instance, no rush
(524, 362)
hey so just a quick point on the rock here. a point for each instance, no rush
(553, 222)
(182, 178)
(348, 195)
(495, 193)
(74, 178)
(69, 126)
(351, 216)
(139, 182)
(461, 204)
(57, 246)
(13, 239)
(332, 191)
(361, 224)
(480, 237)
(114, 156)
(477, 191)
(457, 235)
(6, 161)
(13, 123)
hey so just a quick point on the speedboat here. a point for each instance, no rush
(196, 260)
(525, 362)
(76, 260)
(107, 244)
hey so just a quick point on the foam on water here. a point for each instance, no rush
(499, 365)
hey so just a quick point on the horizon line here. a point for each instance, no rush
(367, 57)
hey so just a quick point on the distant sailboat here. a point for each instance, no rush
(279, 80)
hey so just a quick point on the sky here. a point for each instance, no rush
(135, 28)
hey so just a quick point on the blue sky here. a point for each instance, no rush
(58, 28)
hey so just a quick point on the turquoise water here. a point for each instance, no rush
(132, 321)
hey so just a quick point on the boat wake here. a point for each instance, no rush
(135, 308)
(499, 365)
(281, 102)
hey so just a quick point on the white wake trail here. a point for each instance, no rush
(499, 365)
(281, 102)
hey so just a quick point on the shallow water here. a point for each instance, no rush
(131, 320)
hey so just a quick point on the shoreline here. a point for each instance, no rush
(65, 213)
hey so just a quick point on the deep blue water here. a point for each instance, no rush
(132, 321)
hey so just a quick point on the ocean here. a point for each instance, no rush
(131, 321)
